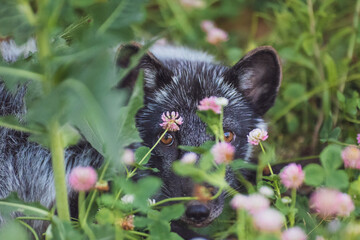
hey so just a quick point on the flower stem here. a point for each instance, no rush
(58, 163)
(292, 207)
(173, 200)
(222, 139)
(82, 219)
(132, 173)
(277, 189)
(241, 221)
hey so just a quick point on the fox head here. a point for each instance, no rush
(177, 79)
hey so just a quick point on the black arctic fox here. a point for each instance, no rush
(175, 79)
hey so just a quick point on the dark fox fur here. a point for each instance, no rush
(175, 79)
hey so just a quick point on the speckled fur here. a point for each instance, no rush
(174, 82)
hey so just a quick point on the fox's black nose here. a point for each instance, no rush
(197, 213)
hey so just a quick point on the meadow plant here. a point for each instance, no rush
(315, 118)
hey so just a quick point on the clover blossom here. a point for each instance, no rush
(223, 152)
(171, 121)
(210, 104)
(269, 220)
(294, 233)
(330, 203)
(351, 157)
(214, 35)
(292, 176)
(128, 157)
(257, 135)
(82, 178)
(189, 158)
(358, 138)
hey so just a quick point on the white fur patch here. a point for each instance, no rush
(182, 53)
(10, 51)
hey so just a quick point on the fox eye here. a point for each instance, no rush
(167, 139)
(228, 136)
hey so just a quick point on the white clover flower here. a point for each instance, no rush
(151, 201)
(222, 101)
(128, 157)
(286, 200)
(257, 135)
(266, 191)
(128, 198)
(189, 158)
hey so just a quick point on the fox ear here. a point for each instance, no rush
(155, 74)
(258, 76)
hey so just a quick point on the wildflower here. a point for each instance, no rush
(82, 178)
(192, 3)
(358, 138)
(128, 198)
(292, 176)
(257, 203)
(346, 205)
(257, 135)
(223, 152)
(126, 223)
(151, 201)
(216, 36)
(323, 202)
(294, 233)
(330, 203)
(222, 101)
(351, 157)
(102, 186)
(286, 200)
(210, 104)
(239, 201)
(269, 220)
(171, 122)
(128, 157)
(206, 25)
(266, 191)
(189, 158)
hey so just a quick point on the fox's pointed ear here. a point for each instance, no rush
(155, 74)
(258, 76)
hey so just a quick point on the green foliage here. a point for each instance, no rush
(72, 92)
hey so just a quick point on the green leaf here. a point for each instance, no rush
(13, 20)
(70, 136)
(238, 164)
(12, 122)
(212, 121)
(282, 207)
(337, 179)
(199, 150)
(127, 128)
(188, 170)
(314, 175)
(140, 153)
(172, 212)
(13, 204)
(104, 216)
(331, 71)
(206, 161)
(13, 230)
(335, 133)
(330, 157)
(142, 190)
